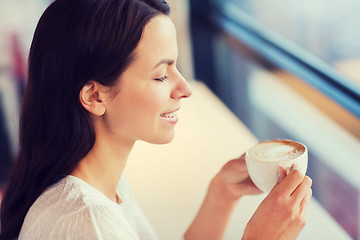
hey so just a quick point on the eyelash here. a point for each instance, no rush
(162, 79)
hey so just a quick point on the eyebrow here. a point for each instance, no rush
(165, 61)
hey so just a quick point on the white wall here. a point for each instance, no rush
(180, 17)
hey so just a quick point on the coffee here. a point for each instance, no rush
(264, 159)
(276, 150)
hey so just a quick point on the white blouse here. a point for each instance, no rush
(73, 209)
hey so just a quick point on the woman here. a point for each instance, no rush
(102, 75)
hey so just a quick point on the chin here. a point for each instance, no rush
(162, 139)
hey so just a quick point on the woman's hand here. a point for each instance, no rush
(281, 214)
(225, 189)
(235, 179)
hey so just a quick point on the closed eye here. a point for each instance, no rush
(162, 79)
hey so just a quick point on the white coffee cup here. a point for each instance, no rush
(263, 161)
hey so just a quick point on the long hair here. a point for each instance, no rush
(75, 41)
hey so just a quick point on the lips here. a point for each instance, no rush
(170, 117)
(170, 114)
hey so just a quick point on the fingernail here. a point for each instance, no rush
(295, 166)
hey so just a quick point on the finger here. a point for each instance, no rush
(238, 164)
(234, 171)
(241, 160)
(281, 174)
(305, 201)
(248, 188)
(242, 156)
(291, 182)
(300, 192)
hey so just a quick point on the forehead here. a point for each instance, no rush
(158, 42)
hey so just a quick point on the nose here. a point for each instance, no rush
(182, 88)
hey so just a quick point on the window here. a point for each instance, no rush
(288, 69)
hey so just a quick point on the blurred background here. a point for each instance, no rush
(285, 68)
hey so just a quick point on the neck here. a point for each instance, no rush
(103, 166)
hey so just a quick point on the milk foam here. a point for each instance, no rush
(274, 151)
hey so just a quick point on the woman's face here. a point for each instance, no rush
(150, 90)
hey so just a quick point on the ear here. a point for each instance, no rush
(91, 98)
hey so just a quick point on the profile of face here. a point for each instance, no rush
(148, 91)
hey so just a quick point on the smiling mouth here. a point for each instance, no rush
(169, 115)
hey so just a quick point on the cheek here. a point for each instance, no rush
(153, 97)
(136, 114)
(146, 113)
(140, 106)
(153, 103)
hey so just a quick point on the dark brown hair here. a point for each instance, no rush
(75, 41)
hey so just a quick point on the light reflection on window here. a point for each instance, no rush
(327, 29)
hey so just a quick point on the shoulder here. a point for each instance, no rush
(73, 209)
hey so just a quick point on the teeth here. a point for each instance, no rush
(168, 115)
